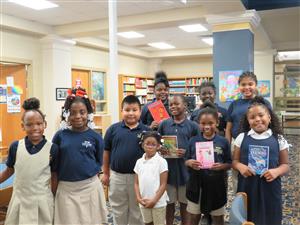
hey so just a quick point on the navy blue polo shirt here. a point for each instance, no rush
(237, 109)
(80, 154)
(33, 149)
(146, 117)
(178, 174)
(222, 151)
(222, 117)
(123, 145)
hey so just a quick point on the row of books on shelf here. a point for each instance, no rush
(189, 81)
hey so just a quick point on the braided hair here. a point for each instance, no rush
(208, 108)
(249, 75)
(154, 134)
(76, 95)
(32, 104)
(274, 123)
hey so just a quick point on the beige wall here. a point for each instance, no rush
(186, 67)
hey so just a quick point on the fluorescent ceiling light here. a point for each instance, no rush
(208, 40)
(161, 45)
(193, 28)
(289, 55)
(131, 34)
(35, 4)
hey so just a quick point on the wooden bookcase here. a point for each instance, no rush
(188, 86)
(142, 86)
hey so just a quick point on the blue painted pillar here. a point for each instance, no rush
(233, 48)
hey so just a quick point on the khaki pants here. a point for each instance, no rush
(122, 199)
(155, 215)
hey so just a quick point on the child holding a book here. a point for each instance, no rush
(238, 108)
(261, 157)
(161, 92)
(208, 158)
(121, 151)
(151, 180)
(182, 129)
(207, 91)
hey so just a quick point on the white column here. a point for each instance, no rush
(56, 73)
(113, 83)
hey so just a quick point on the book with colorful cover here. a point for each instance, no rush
(258, 158)
(171, 144)
(158, 111)
(205, 154)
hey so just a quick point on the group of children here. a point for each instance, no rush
(144, 185)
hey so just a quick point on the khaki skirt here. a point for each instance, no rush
(80, 202)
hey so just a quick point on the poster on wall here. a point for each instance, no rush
(3, 94)
(264, 88)
(228, 85)
(13, 103)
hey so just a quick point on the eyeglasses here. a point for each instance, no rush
(150, 145)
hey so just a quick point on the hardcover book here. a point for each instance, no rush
(205, 154)
(171, 145)
(258, 158)
(158, 111)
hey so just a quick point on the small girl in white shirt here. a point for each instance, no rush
(151, 180)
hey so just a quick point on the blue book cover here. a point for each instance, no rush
(258, 158)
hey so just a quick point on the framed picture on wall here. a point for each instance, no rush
(61, 94)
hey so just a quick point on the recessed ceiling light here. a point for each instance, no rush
(161, 45)
(289, 55)
(131, 34)
(208, 40)
(35, 4)
(193, 28)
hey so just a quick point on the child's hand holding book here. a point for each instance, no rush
(246, 171)
(270, 175)
(194, 164)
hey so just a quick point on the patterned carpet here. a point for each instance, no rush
(290, 188)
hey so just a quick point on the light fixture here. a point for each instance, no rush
(131, 34)
(161, 45)
(208, 40)
(35, 4)
(289, 55)
(193, 28)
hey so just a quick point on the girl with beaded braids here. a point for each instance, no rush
(80, 160)
(151, 180)
(261, 135)
(78, 93)
(161, 92)
(33, 160)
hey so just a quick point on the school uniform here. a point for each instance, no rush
(32, 200)
(236, 110)
(178, 174)
(206, 188)
(80, 197)
(148, 172)
(124, 148)
(146, 117)
(264, 198)
(222, 112)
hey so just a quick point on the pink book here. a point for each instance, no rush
(205, 154)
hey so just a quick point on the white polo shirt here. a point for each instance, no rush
(268, 133)
(148, 172)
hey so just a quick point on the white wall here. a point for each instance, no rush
(263, 68)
